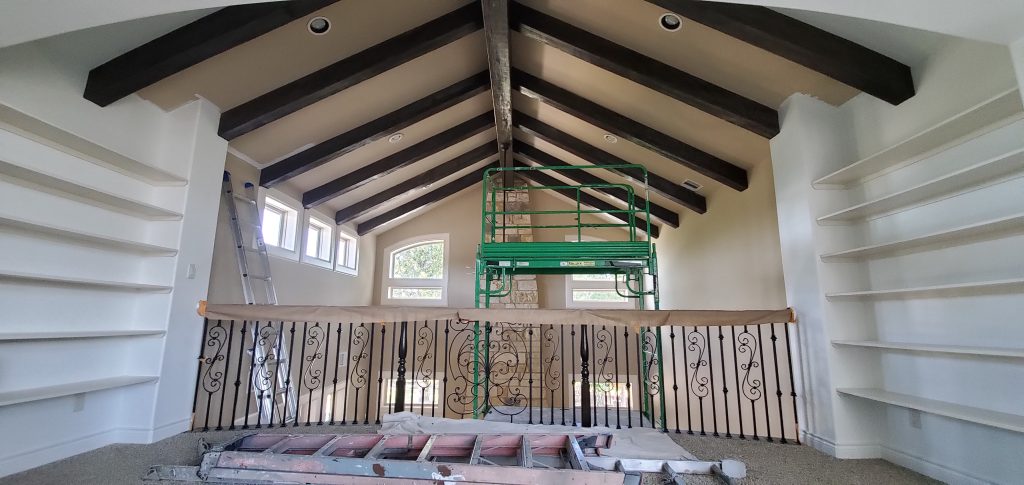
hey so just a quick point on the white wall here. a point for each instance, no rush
(817, 140)
(93, 170)
(296, 283)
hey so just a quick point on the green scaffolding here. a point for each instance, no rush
(633, 260)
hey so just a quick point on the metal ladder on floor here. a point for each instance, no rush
(276, 401)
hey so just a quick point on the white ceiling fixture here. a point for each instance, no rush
(319, 25)
(610, 138)
(670, 22)
(397, 137)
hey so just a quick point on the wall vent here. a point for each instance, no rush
(690, 184)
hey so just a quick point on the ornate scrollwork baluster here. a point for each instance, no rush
(696, 342)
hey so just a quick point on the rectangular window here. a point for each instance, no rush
(348, 254)
(596, 296)
(414, 293)
(417, 392)
(279, 224)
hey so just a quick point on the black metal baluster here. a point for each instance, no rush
(337, 364)
(629, 392)
(739, 385)
(767, 417)
(529, 366)
(561, 358)
(593, 366)
(227, 370)
(618, 395)
(369, 372)
(380, 372)
(323, 372)
(394, 369)
(277, 373)
(446, 367)
(348, 378)
(199, 367)
(210, 342)
(288, 378)
(400, 382)
(792, 383)
(412, 372)
(302, 360)
(540, 333)
(675, 383)
(252, 377)
(572, 360)
(725, 380)
(641, 375)
(584, 378)
(778, 385)
(686, 381)
(238, 374)
(700, 385)
(711, 373)
(433, 374)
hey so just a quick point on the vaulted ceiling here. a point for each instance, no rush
(468, 84)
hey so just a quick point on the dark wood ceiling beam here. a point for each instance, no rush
(368, 173)
(653, 74)
(441, 193)
(350, 71)
(667, 188)
(360, 136)
(587, 199)
(540, 157)
(496, 38)
(189, 45)
(416, 182)
(625, 128)
(843, 60)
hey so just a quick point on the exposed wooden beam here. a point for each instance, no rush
(544, 159)
(350, 71)
(667, 188)
(843, 60)
(189, 45)
(368, 173)
(416, 182)
(360, 136)
(441, 193)
(625, 128)
(587, 199)
(496, 37)
(646, 71)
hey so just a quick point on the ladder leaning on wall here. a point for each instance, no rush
(269, 349)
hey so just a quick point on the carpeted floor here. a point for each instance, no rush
(767, 463)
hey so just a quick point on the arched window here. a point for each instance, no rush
(417, 273)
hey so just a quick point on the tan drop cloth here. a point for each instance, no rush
(369, 314)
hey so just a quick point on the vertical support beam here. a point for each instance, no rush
(400, 381)
(585, 377)
(496, 37)
(525, 451)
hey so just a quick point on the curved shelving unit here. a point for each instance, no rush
(71, 335)
(72, 144)
(939, 349)
(87, 237)
(19, 396)
(952, 183)
(996, 419)
(990, 227)
(930, 291)
(987, 116)
(81, 282)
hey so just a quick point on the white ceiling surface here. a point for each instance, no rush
(1000, 21)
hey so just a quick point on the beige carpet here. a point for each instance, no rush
(767, 463)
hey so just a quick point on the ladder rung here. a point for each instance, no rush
(259, 277)
(243, 199)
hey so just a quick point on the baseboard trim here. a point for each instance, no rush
(929, 468)
(847, 451)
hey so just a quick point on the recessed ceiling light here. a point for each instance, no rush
(610, 138)
(319, 25)
(670, 22)
(397, 137)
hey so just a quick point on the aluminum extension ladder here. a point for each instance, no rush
(247, 231)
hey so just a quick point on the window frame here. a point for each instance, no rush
(352, 252)
(388, 282)
(322, 225)
(292, 211)
(572, 285)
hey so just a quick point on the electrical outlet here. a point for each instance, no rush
(915, 419)
(342, 359)
(191, 272)
(78, 402)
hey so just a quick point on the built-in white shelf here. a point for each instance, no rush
(940, 349)
(81, 282)
(90, 195)
(987, 116)
(992, 226)
(996, 419)
(40, 131)
(19, 396)
(87, 237)
(927, 291)
(71, 335)
(949, 184)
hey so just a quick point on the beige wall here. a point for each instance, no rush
(296, 283)
(728, 258)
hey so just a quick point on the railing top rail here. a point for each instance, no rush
(372, 314)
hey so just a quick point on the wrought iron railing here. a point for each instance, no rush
(728, 380)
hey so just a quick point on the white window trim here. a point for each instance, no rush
(348, 233)
(387, 281)
(291, 229)
(311, 218)
(571, 285)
